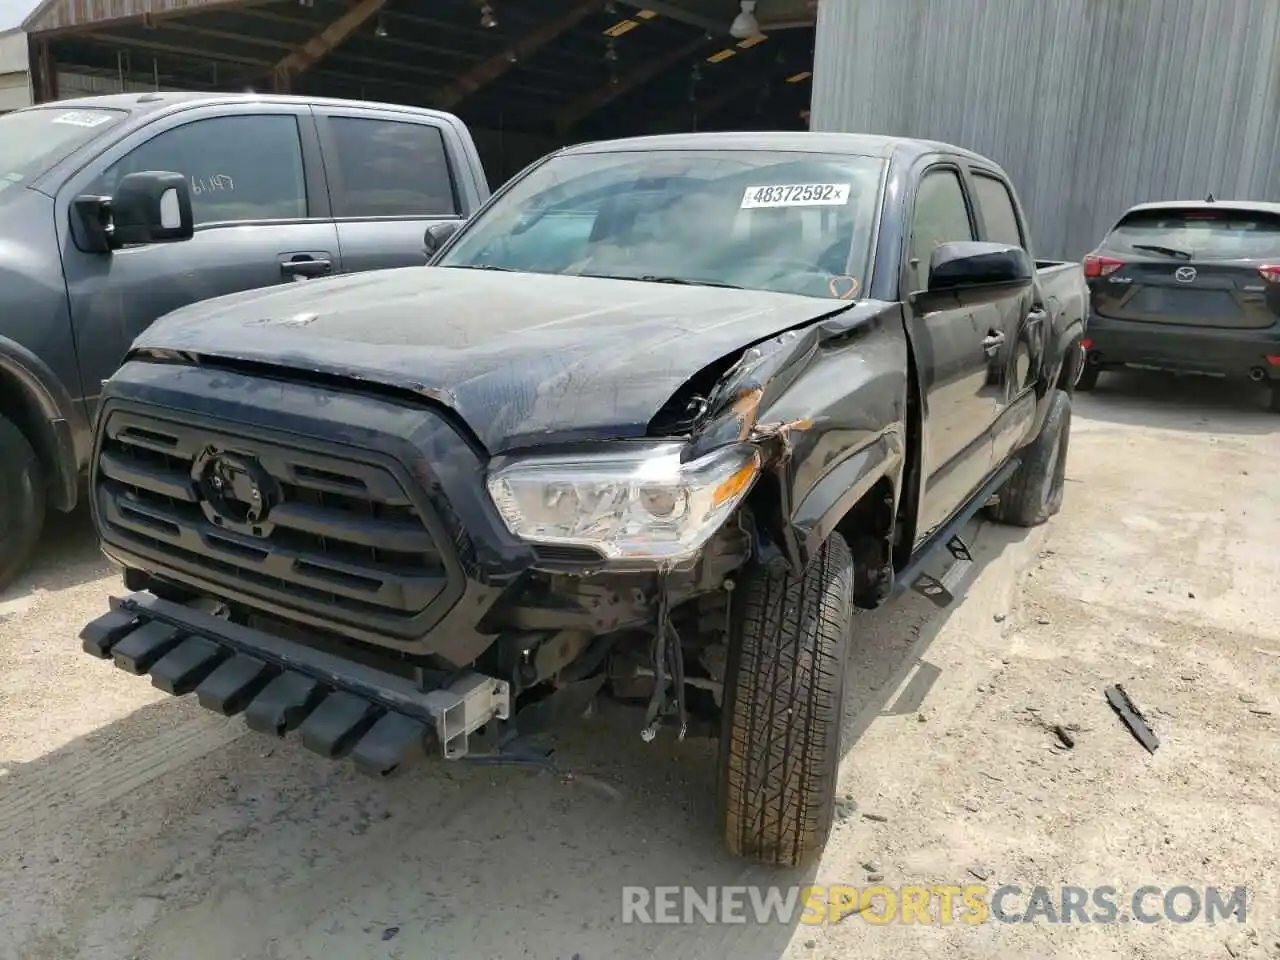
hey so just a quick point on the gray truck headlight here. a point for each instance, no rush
(637, 505)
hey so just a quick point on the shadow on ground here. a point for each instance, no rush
(174, 833)
(67, 556)
(1188, 403)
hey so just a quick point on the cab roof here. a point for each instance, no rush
(854, 144)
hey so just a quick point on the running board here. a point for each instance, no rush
(942, 591)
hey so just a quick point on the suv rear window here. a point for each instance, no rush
(1201, 234)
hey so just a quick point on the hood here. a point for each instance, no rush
(524, 359)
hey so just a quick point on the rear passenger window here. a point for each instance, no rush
(997, 211)
(940, 216)
(387, 168)
(239, 168)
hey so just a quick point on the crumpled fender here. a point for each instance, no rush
(826, 404)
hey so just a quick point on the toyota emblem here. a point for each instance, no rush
(1185, 274)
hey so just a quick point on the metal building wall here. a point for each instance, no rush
(1089, 105)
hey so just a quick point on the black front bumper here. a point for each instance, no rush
(340, 708)
(376, 525)
(1178, 347)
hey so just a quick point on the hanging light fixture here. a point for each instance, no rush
(745, 23)
(488, 19)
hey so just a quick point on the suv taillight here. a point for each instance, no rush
(1270, 272)
(1098, 266)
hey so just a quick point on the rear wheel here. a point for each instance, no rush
(1275, 398)
(22, 501)
(1034, 493)
(783, 707)
(1088, 378)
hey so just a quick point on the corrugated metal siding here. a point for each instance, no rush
(1090, 105)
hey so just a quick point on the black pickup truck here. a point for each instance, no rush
(652, 424)
(278, 189)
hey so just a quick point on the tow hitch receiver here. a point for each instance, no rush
(338, 707)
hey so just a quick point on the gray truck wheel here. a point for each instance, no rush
(22, 504)
(1034, 493)
(783, 707)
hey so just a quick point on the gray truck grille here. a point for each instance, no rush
(299, 528)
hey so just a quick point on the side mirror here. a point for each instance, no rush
(973, 273)
(437, 234)
(150, 207)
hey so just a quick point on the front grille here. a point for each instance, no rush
(296, 527)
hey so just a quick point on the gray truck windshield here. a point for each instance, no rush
(763, 220)
(31, 141)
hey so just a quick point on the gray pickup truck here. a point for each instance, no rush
(280, 189)
(652, 424)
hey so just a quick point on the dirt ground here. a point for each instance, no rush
(137, 826)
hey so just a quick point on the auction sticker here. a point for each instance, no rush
(80, 118)
(796, 195)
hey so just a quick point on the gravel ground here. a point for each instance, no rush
(137, 826)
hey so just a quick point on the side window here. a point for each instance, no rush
(998, 214)
(240, 168)
(388, 168)
(940, 216)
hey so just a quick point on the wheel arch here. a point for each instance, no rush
(34, 409)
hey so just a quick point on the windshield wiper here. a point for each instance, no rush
(1163, 251)
(477, 266)
(653, 278)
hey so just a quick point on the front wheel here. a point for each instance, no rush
(1034, 493)
(22, 501)
(783, 707)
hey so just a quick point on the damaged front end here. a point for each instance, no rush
(377, 597)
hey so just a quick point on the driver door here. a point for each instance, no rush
(949, 345)
(261, 218)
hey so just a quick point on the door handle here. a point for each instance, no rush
(303, 265)
(993, 341)
(1036, 315)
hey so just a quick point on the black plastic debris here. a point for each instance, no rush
(1064, 736)
(1132, 717)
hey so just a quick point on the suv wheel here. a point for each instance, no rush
(1034, 493)
(783, 707)
(22, 501)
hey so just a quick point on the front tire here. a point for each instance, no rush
(22, 501)
(1034, 493)
(783, 708)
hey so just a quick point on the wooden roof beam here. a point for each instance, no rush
(485, 73)
(583, 107)
(323, 43)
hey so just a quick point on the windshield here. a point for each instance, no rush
(1200, 234)
(762, 220)
(31, 141)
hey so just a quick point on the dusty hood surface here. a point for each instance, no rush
(523, 358)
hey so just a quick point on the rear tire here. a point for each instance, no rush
(22, 501)
(1275, 398)
(783, 708)
(1034, 493)
(1088, 378)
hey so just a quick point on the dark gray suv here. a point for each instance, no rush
(273, 190)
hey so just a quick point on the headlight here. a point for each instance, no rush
(628, 505)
